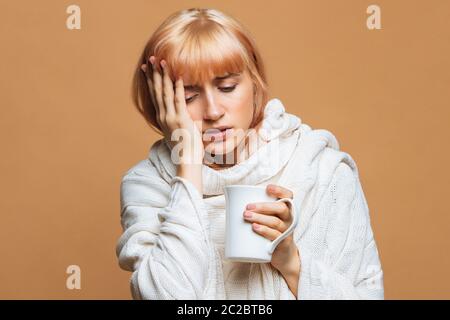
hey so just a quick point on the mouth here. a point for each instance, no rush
(217, 134)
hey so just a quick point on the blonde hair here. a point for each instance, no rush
(205, 43)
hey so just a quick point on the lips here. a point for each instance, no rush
(217, 134)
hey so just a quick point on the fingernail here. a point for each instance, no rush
(247, 214)
(152, 60)
(163, 63)
(251, 206)
(256, 226)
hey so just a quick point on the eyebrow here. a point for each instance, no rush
(229, 75)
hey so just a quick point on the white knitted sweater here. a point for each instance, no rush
(173, 239)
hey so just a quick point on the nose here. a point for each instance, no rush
(213, 110)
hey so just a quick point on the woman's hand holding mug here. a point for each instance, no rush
(270, 220)
(260, 222)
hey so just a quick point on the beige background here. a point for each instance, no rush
(69, 130)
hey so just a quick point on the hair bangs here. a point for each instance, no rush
(204, 55)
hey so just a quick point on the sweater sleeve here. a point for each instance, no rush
(164, 244)
(342, 262)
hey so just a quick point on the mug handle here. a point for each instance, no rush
(272, 245)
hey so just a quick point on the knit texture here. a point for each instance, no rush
(174, 236)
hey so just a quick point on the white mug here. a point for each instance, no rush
(242, 243)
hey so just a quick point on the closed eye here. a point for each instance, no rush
(190, 99)
(228, 89)
(223, 89)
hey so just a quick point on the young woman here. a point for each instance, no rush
(201, 77)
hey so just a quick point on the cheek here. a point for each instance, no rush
(243, 113)
(241, 105)
(195, 112)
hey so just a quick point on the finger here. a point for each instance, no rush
(149, 75)
(265, 231)
(268, 221)
(168, 94)
(157, 85)
(279, 191)
(180, 99)
(279, 209)
(154, 85)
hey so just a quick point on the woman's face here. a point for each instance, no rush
(226, 101)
